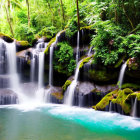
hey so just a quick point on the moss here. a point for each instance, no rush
(2, 35)
(6, 37)
(29, 62)
(67, 83)
(133, 95)
(23, 43)
(105, 100)
(122, 95)
(49, 44)
(102, 75)
(85, 60)
(117, 97)
(58, 95)
(131, 85)
(86, 27)
(52, 41)
(119, 62)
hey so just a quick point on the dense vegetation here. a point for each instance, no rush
(116, 24)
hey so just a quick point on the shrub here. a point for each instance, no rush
(64, 59)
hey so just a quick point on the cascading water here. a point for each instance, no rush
(110, 107)
(121, 75)
(39, 53)
(51, 66)
(12, 70)
(32, 73)
(71, 89)
(47, 93)
(134, 111)
(90, 50)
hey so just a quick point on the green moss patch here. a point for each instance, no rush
(120, 97)
(102, 75)
(85, 60)
(67, 83)
(23, 43)
(105, 101)
(58, 95)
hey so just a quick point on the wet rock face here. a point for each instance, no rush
(7, 97)
(4, 81)
(6, 38)
(54, 95)
(88, 94)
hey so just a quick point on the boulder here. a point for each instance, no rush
(7, 97)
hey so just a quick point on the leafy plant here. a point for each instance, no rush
(64, 59)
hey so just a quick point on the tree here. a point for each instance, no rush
(28, 6)
(78, 18)
(63, 15)
(7, 10)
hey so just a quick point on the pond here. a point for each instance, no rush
(60, 122)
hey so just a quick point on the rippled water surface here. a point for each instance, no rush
(58, 122)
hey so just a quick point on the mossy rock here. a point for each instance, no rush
(49, 44)
(52, 41)
(131, 85)
(85, 60)
(102, 75)
(133, 95)
(67, 83)
(105, 100)
(119, 97)
(23, 43)
(6, 38)
(87, 27)
(58, 95)
(122, 95)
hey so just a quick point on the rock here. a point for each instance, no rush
(54, 95)
(86, 88)
(7, 97)
(118, 100)
(6, 38)
(4, 81)
(22, 45)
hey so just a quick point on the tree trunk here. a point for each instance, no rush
(63, 16)
(51, 12)
(131, 23)
(27, 2)
(78, 18)
(9, 21)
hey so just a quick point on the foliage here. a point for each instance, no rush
(133, 45)
(64, 59)
(108, 44)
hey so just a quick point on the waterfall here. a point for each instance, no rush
(134, 111)
(90, 50)
(121, 75)
(39, 53)
(51, 60)
(110, 107)
(47, 92)
(71, 89)
(32, 72)
(51, 66)
(77, 52)
(12, 70)
(41, 69)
